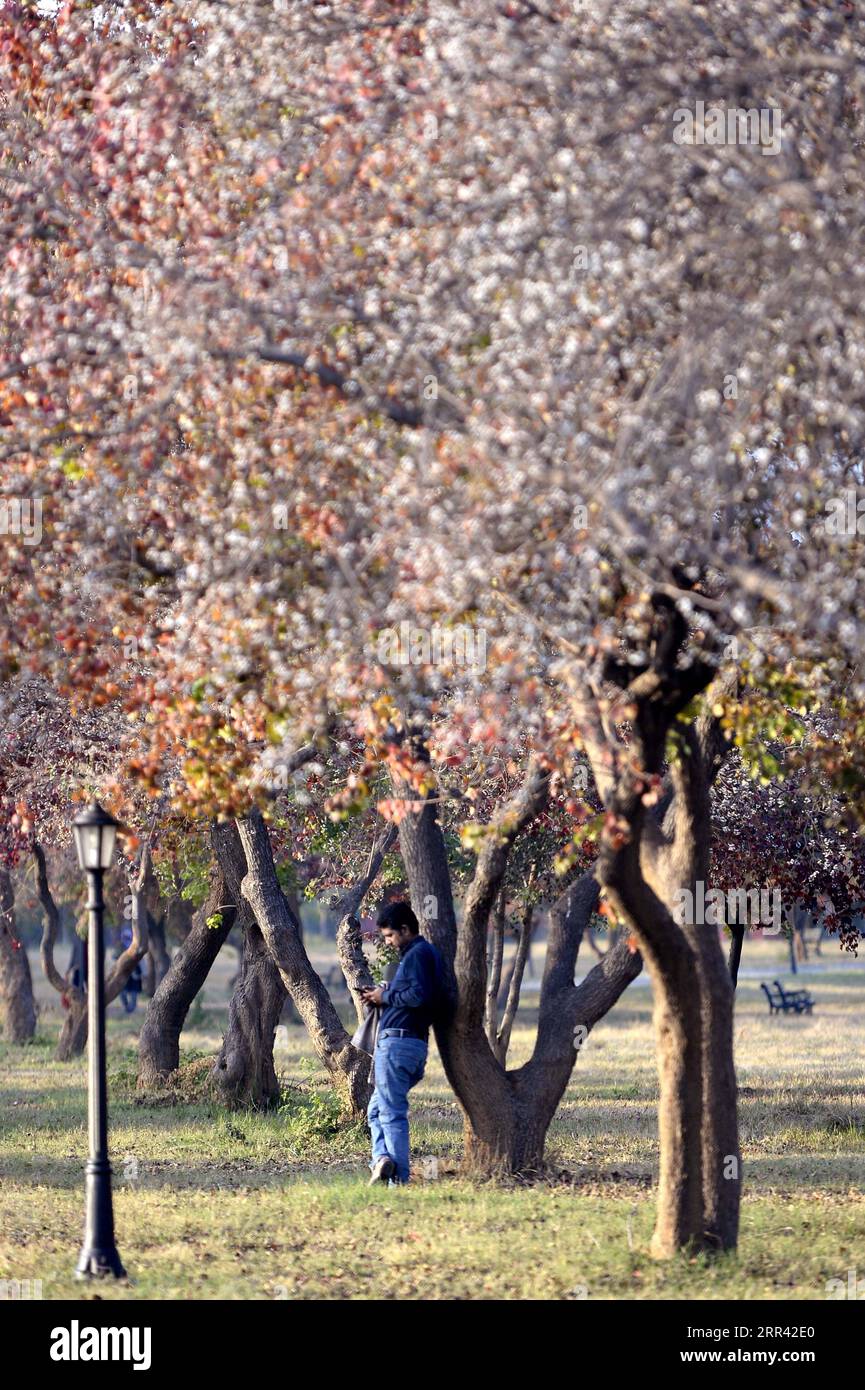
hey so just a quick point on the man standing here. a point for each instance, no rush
(408, 1005)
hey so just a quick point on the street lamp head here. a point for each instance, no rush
(95, 834)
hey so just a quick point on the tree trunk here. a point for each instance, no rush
(506, 1115)
(802, 920)
(505, 1127)
(679, 1222)
(279, 927)
(734, 958)
(567, 1014)
(245, 1068)
(73, 1033)
(645, 863)
(490, 1135)
(244, 1071)
(494, 971)
(502, 1039)
(158, 959)
(17, 1006)
(159, 1043)
(722, 1159)
(505, 985)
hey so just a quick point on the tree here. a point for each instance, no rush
(643, 872)
(279, 929)
(17, 1006)
(779, 823)
(508, 1113)
(159, 1041)
(499, 320)
(73, 1033)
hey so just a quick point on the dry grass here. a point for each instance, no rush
(213, 1204)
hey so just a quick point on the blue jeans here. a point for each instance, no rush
(399, 1064)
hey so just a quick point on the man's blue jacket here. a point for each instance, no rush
(416, 994)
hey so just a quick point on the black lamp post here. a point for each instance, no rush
(95, 833)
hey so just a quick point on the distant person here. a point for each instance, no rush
(409, 1004)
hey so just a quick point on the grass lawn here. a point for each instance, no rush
(213, 1204)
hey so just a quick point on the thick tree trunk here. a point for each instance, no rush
(644, 863)
(487, 1099)
(484, 1089)
(244, 1071)
(722, 1159)
(506, 1115)
(159, 1043)
(490, 1137)
(640, 890)
(715, 990)
(505, 1129)
(688, 862)
(17, 1006)
(73, 1033)
(279, 927)
(679, 1222)
(533, 1116)
(158, 959)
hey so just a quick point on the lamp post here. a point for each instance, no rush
(95, 833)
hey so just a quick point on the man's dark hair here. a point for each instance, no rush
(399, 915)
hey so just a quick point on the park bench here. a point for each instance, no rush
(796, 1001)
(799, 998)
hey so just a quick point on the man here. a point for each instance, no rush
(408, 1006)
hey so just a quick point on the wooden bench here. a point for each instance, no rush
(796, 1001)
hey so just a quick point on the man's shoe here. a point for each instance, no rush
(384, 1169)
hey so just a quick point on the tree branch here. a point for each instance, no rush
(51, 925)
(137, 948)
(492, 863)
